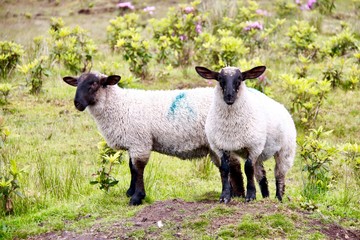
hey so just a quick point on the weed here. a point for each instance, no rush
(316, 155)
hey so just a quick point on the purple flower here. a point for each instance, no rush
(298, 2)
(311, 3)
(262, 12)
(198, 28)
(253, 25)
(183, 37)
(189, 10)
(125, 5)
(149, 9)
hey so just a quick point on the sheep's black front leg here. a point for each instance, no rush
(236, 178)
(139, 193)
(224, 172)
(133, 172)
(250, 187)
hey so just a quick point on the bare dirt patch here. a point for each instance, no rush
(171, 215)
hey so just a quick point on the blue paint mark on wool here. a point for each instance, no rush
(178, 104)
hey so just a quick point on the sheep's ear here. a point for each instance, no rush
(71, 81)
(253, 73)
(206, 73)
(110, 80)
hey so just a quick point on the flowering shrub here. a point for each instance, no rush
(10, 54)
(174, 35)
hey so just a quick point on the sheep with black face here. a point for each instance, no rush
(169, 122)
(243, 122)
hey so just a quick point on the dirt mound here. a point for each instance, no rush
(174, 218)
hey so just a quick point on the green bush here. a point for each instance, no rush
(71, 47)
(221, 50)
(4, 92)
(118, 25)
(174, 35)
(135, 51)
(316, 156)
(302, 37)
(108, 158)
(306, 97)
(10, 55)
(341, 44)
(35, 72)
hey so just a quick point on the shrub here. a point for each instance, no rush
(9, 185)
(108, 158)
(10, 54)
(333, 70)
(316, 156)
(4, 132)
(4, 92)
(302, 37)
(284, 9)
(326, 6)
(71, 47)
(351, 156)
(221, 50)
(340, 44)
(175, 34)
(35, 72)
(135, 51)
(306, 95)
(120, 24)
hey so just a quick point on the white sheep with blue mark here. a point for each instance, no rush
(246, 123)
(140, 121)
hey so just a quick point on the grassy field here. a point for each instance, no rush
(57, 147)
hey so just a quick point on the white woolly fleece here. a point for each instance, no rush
(255, 123)
(170, 122)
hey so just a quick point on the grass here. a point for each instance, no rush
(56, 146)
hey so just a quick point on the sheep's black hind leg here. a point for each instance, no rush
(139, 193)
(224, 172)
(250, 187)
(133, 172)
(236, 178)
(280, 186)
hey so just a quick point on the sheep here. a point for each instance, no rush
(169, 122)
(243, 122)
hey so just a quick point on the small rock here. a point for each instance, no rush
(160, 224)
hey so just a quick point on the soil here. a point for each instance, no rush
(150, 221)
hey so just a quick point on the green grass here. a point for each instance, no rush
(56, 145)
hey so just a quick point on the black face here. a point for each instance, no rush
(230, 80)
(87, 86)
(85, 93)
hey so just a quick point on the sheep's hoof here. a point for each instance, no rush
(250, 196)
(225, 198)
(130, 192)
(135, 202)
